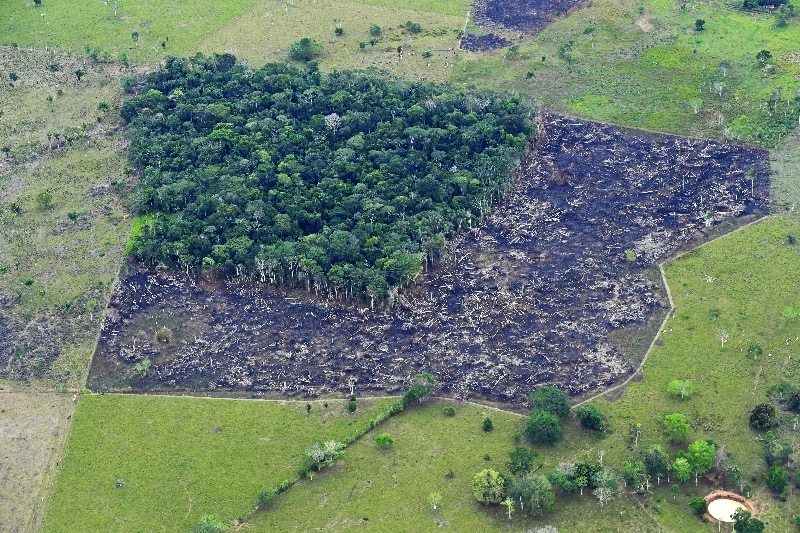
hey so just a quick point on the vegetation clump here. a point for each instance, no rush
(344, 183)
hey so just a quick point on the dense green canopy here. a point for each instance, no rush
(343, 182)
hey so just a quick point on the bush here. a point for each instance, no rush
(676, 428)
(128, 84)
(543, 428)
(384, 441)
(449, 410)
(680, 387)
(265, 496)
(520, 461)
(699, 506)
(550, 399)
(590, 417)
(305, 49)
(413, 27)
(210, 523)
(420, 387)
(763, 416)
(375, 30)
(776, 479)
(487, 424)
(351, 405)
(488, 486)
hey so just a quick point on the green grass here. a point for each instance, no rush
(458, 8)
(180, 458)
(785, 173)
(751, 276)
(69, 25)
(141, 223)
(619, 73)
(264, 34)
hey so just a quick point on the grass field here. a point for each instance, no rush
(751, 276)
(785, 167)
(32, 428)
(181, 458)
(643, 64)
(264, 34)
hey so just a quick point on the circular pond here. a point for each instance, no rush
(722, 509)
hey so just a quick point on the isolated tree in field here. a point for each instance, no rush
(543, 428)
(128, 84)
(384, 441)
(210, 523)
(79, 74)
(550, 399)
(680, 387)
(605, 485)
(521, 460)
(743, 522)
(700, 457)
(764, 57)
(421, 386)
(534, 493)
(375, 30)
(44, 199)
(6, 149)
(656, 463)
(698, 24)
(135, 36)
(305, 49)
(755, 351)
(37, 3)
(763, 416)
(699, 506)
(776, 479)
(488, 487)
(776, 452)
(675, 427)
(681, 469)
(13, 76)
(590, 417)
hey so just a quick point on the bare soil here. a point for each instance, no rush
(528, 298)
(483, 43)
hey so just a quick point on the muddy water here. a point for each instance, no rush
(530, 297)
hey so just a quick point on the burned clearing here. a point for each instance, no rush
(529, 297)
(526, 17)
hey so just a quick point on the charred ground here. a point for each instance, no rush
(530, 297)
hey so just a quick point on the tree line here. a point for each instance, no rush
(345, 183)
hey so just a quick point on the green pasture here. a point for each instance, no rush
(644, 64)
(145, 463)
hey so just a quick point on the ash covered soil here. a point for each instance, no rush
(528, 298)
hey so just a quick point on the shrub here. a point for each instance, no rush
(375, 30)
(699, 506)
(487, 424)
(305, 49)
(763, 416)
(590, 417)
(543, 428)
(210, 523)
(488, 487)
(128, 84)
(676, 428)
(520, 460)
(351, 405)
(265, 496)
(680, 387)
(420, 387)
(449, 410)
(550, 399)
(339, 31)
(384, 441)
(412, 27)
(776, 479)
(164, 334)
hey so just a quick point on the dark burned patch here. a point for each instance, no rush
(483, 43)
(528, 16)
(528, 298)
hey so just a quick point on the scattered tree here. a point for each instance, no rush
(700, 457)
(776, 479)
(44, 199)
(656, 462)
(763, 416)
(128, 84)
(550, 399)
(412, 27)
(534, 493)
(487, 424)
(681, 469)
(488, 487)
(421, 386)
(764, 57)
(508, 503)
(676, 428)
(743, 522)
(590, 417)
(375, 30)
(521, 460)
(210, 523)
(79, 74)
(680, 387)
(698, 24)
(305, 49)
(543, 428)
(699, 506)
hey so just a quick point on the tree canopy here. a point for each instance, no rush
(345, 183)
(550, 399)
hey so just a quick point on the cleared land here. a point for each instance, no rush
(526, 298)
(264, 34)
(139, 463)
(750, 276)
(645, 65)
(31, 432)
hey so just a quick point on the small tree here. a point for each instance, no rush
(763, 416)
(764, 57)
(488, 487)
(680, 387)
(128, 84)
(44, 199)
(543, 428)
(550, 399)
(421, 386)
(700, 457)
(590, 417)
(656, 462)
(305, 49)
(210, 523)
(384, 441)
(698, 24)
(521, 460)
(699, 506)
(487, 424)
(37, 3)
(676, 428)
(265, 496)
(743, 522)
(375, 30)
(681, 469)
(534, 493)
(776, 479)
(605, 485)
